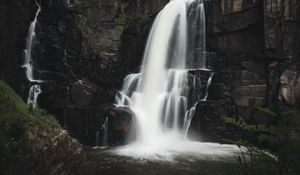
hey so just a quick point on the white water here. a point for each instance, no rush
(104, 133)
(34, 92)
(159, 94)
(197, 58)
(28, 65)
(35, 89)
(208, 85)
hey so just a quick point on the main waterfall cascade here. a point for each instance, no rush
(159, 94)
(31, 40)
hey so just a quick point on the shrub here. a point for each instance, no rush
(123, 21)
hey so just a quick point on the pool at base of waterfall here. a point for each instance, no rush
(136, 159)
(106, 162)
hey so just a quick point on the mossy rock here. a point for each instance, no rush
(32, 141)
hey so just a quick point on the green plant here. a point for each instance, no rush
(123, 21)
(286, 161)
(86, 25)
(44, 117)
(84, 4)
(19, 123)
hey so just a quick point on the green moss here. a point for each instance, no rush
(45, 118)
(11, 101)
(86, 25)
(13, 127)
(123, 21)
(15, 122)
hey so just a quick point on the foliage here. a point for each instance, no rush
(123, 21)
(13, 128)
(16, 120)
(287, 159)
(85, 24)
(44, 117)
(84, 4)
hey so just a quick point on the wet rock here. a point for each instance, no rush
(82, 93)
(290, 86)
(86, 124)
(233, 6)
(273, 84)
(121, 126)
(208, 123)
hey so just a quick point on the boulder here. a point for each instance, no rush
(290, 86)
(121, 126)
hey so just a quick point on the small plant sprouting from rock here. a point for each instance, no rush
(86, 25)
(123, 21)
(84, 4)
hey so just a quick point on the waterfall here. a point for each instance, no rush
(159, 94)
(197, 55)
(208, 85)
(104, 133)
(35, 89)
(190, 113)
(34, 92)
(159, 91)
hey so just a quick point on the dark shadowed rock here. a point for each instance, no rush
(290, 86)
(121, 126)
(82, 93)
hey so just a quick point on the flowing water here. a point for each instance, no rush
(34, 92)
(159, 94)
(104, 161)
(35, 89)
(102, 133)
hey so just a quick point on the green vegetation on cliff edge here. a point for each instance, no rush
(27, 136)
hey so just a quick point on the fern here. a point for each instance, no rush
(267, 111)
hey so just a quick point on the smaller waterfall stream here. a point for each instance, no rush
(208, 85)
(105, 132)
(102, 133)
(34, 92)
(35, 89)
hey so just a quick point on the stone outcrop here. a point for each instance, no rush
(290, 86)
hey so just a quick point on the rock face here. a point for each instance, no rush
(86, 56)
(15, 17)
(290, 86)
(256, 45)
